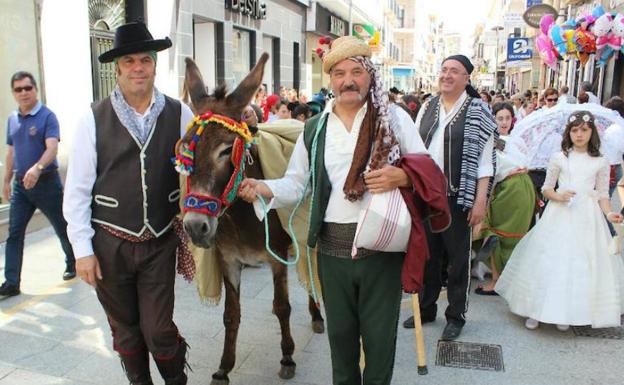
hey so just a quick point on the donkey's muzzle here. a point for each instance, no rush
(201, 229)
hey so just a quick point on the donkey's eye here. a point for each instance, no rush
(226, 152)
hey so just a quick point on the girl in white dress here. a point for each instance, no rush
(562, 271)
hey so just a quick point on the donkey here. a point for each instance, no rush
(233, 231)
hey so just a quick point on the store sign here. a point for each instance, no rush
(518, 49)
(521, 65)
(363, 31)
(531, 3)
(513, 20)
(368, 33)
(337, 26)
(256, 9)
(533, 15)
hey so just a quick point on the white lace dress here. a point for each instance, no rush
(562, 272)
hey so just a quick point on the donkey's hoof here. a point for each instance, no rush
(219, 378)
(287, 371)
(318, 327)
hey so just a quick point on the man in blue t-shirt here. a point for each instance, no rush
(32, 144)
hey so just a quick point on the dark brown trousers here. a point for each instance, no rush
(137, 292)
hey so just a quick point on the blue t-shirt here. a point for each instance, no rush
(27, 135)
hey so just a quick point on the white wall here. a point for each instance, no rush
(66, 64)
(18, 45)
(161, 22)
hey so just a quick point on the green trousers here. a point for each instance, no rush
(362, 297)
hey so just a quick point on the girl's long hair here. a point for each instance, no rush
(577, 119)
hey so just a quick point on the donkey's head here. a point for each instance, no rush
(213, 150)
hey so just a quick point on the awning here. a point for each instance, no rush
(402, 72)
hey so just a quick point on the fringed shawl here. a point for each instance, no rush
(478, 128)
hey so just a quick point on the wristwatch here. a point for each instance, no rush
(40, 167)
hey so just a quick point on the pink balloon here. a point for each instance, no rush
(546, 51)
(545, 23)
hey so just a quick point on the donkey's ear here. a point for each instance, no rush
(247, 88)
(194, 85)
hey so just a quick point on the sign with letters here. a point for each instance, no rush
(337, 26)
(513, 20)
(534, 14)
(256, 9)
(518, 49)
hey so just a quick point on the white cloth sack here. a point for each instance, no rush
(384, 224)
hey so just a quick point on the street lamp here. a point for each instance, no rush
(496, 29)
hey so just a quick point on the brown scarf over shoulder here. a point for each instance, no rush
(370, 139)
(376, 141)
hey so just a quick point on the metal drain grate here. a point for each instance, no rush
(608, 333)
(468, 355)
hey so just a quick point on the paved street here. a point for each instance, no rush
(56, 333)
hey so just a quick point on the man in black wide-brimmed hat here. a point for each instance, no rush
(121, 203)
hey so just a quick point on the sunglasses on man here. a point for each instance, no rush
(18, 90)
(552, 100)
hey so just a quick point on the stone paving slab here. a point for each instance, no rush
(56, 333)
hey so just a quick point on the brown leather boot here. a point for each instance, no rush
(136, 366)
(172, 369)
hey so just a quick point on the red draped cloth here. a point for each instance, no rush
(426, 201)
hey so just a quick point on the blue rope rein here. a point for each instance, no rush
(291, 230)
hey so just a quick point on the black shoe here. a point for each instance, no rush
(70, 273)
(481, 291)
(452, 330)
(409, 323)
(7, 290)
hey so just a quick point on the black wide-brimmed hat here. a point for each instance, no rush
(133, 38)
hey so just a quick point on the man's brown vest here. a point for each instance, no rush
(136, 188)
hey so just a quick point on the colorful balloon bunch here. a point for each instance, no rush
(600, 33)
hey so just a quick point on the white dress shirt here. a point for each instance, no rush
(81, 175)
(339, 148)
(436, 147)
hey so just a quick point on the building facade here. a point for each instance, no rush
(321, 22)
(418, 37)
(226, 38)
(335, 18)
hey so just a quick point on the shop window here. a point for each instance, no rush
(296, 66)
(276, 65)
(267, 78)
(617, 88)
(204, 49)
(241, 54)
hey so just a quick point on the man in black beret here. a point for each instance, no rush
(458, 130)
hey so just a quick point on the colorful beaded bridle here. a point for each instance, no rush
(185, 162)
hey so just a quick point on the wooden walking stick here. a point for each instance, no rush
(421, 357)
(362, 359)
